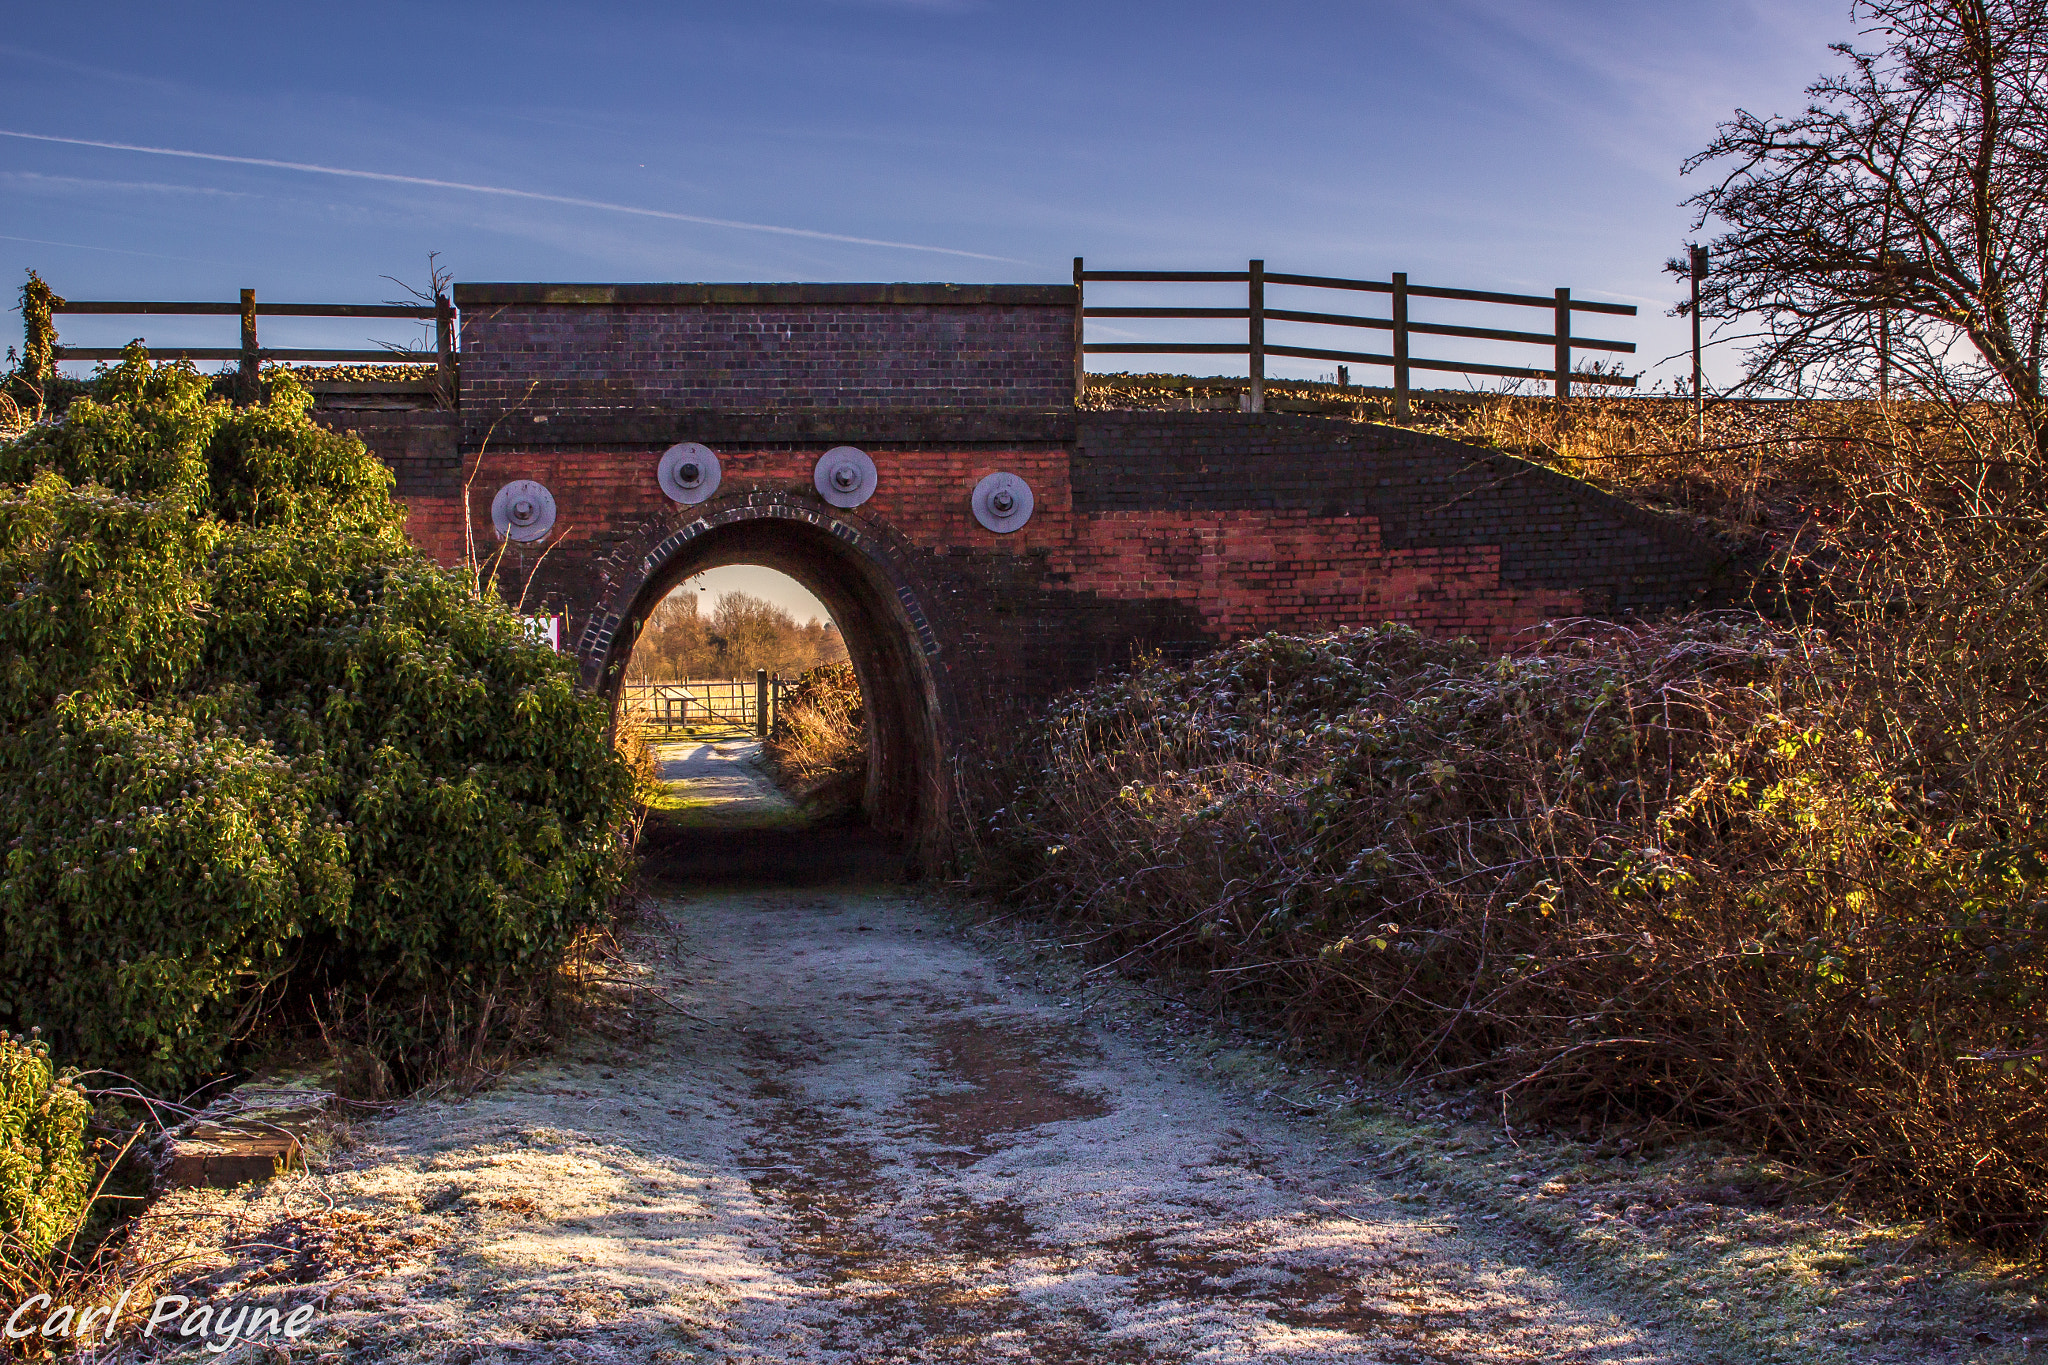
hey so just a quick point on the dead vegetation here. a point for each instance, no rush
(1782, 878)
(817, 749)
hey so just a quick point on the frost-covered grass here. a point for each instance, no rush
(1756, 1258)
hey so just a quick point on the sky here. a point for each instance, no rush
(186, 152)
(756, 581)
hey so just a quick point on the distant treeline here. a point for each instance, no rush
(741, 633)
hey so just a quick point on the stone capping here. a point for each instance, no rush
(742, 295)
(895, 428)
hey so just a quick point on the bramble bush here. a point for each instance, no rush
(1713, 872)
(255, 750)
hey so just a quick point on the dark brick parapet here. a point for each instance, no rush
(765, 346)
(1424, 493)
(779, 295)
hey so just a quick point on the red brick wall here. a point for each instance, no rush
(1252, 571)
(1148, 532)
(1243, 572)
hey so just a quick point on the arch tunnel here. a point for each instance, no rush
(878, 616)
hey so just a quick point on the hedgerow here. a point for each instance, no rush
(255, 749)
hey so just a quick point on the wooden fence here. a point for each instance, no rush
(737, 703)
(1256, 315)
(251, 355)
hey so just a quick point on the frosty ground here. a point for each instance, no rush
(837, 1126)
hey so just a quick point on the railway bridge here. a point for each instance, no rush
(914, 456)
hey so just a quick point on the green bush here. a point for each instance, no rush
(45, 1176)
(252, 744)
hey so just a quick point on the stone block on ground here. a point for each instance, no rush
(252, 1133)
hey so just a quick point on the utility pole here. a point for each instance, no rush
(1699, 408)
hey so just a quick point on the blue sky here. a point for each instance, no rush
(1481, 143)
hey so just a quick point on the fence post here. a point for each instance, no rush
(1697, 268)
(761, 702)
(1564, 351)
(248, 384)
(1080, 355)
(1256, 296)
(444, 348)
(1400, 345)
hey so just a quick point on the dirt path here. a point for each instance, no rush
(836, 1127)
(836, 1130)
(721, 781)
(870, 1146)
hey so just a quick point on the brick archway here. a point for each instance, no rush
(858, 569)
(1154, 531)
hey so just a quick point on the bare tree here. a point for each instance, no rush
(1903, 212)
(739, 634)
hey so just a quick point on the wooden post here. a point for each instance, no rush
(1256, 295)
(444, 347)
(1400, 345)
(249, 383)
(1080, 331)
(761, 702)
(1697, 268)
(1564, 351)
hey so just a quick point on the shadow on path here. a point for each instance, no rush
(727, 824)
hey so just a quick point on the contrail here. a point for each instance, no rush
(310, 169)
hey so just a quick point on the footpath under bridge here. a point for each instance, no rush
(913, 454)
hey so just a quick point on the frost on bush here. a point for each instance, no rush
(253, 744)
(1702, 871)
(45, 1175)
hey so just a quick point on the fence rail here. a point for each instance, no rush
(252, 355)
(741, 703)
(1256, 314)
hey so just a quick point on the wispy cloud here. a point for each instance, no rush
(503, 192)
(115, 250)
(34, 179)
(99, 73)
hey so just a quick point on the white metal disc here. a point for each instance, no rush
(523, 510)
(1002, 502)
(845, 477)
(689, 472)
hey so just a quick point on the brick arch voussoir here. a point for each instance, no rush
(911, 710)
(644, 556)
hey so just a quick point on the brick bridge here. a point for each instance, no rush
(1153, 530)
